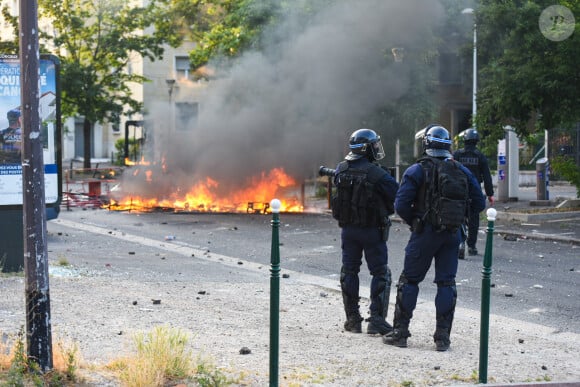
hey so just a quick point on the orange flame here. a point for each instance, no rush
(203, 196)
(140, 162)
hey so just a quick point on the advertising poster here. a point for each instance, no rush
(11, 133)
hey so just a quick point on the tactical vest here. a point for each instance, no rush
(445, 193)
(356, 201)
(470, 158)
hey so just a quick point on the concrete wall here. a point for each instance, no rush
(526, 178)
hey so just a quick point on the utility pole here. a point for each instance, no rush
(38, 330)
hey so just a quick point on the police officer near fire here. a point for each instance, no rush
(476, 162)
(429, 241)
(364, 199)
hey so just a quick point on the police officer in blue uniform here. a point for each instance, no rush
(11, 138)
(363, 218)
(477, 163)
(427, 243)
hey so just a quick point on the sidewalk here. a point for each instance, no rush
(528, 218)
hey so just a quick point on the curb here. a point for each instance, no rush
(523, 235)
(539, 237)
(525, 217)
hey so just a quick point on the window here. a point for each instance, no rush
(449, 69)
(182, 67)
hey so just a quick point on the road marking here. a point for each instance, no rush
(302, 278)
(186, 250)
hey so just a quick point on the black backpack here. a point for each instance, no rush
(446, 193)
(355, 201)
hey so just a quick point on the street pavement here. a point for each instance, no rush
(534, 300)
(524, 273)
(554, 226)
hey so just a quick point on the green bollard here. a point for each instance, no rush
(485, 297)
(275, 293)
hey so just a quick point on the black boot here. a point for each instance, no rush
(444, 323)
(443, 330)
(380, 294)
(398, 337)
(354, 320)
(441, 338)
(353, 323)
(350, 299)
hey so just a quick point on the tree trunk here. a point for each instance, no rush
(87, 126)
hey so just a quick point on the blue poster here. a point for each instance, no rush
(11, 132)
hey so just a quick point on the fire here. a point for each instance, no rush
(205, 196)
(141, 162)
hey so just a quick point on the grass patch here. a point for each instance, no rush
(62, 261)
(162, 357)
(17, 370)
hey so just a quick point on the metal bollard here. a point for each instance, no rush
(275, 293)
(485, 297)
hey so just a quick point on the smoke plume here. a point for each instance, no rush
(295, 103)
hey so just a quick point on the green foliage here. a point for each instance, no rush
(62, 261)
(231, 27)
(227, 28)
(98, 39)
(162, 355)
(19, 365)
(525, 79)
(209, 376)
(22, 372)
(134, 150)
(10, 46)
(567, 168)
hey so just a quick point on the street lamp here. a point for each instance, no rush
(170, 86)
(470, 11)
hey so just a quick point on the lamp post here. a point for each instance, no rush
(470, 11)
(275, 294)
(485, 297)
(170, 87)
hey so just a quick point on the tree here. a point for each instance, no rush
(231, 27)
(527, 80)
(95, 41)
(10, 46)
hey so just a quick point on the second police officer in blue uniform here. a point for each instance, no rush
(364, 200)
(429, 241)
(476, 162)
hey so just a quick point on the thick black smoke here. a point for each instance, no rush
(294, 104)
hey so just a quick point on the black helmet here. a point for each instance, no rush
(471, 136)
(436, 142)
(13, 115)
(365, 143)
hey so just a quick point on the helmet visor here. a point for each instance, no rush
(377, 148)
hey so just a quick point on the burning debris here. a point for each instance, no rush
(142, 192)
(264, 120)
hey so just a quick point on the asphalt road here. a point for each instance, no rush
(532, 280)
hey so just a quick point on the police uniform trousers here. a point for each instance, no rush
(472, 228)
(422, 249)
(355, 241)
